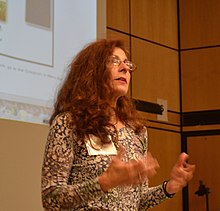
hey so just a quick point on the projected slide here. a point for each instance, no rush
(27, 32)
(38, 39)
(3, 7)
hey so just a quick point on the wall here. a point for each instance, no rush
(21, 157)
(200, 73)
(176, 46)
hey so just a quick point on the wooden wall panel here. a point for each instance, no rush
(200, 79)
(151, 120)
(157, 73)
(155, 20)
(201, 128)
(204, 152)
(154, 27)
(111, 34)
(166, 147)
(118, 15)
(199, 23)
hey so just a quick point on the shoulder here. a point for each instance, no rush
(143, 133)
(62, 119)
(61, 125)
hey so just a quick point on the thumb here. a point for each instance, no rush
(182, 160)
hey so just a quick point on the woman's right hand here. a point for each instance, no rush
(133, 172)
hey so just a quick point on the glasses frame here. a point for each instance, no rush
(117, 62)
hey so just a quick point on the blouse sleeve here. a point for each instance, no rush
(58, 159)
(150, 196)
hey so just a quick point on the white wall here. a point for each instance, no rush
(21, 157)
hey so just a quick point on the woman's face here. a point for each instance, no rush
(119, 73)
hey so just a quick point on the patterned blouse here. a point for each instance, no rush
(69, 174)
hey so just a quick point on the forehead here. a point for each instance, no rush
(119, 52)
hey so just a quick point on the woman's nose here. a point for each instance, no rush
(123, 67)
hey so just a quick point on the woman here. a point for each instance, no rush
(96, 153)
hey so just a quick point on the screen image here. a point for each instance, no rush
(38, 39)
(3, 7)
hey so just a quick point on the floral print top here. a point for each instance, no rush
(69, 173)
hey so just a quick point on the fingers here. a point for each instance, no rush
(184, 175)
(181, 173)
(185, 172)
(151, 161)
(147, 166)
(134, 171)
(186, 168)
(182, 160)
(189, 171)
(189, 167)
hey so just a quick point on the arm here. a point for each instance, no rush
(152, 196)
(58, 159)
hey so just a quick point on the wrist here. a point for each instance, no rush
(167, 190)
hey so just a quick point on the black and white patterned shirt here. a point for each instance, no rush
(69, 173)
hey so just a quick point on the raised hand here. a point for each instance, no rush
(133, 172)
(181, 174)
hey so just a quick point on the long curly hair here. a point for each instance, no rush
(87, 90)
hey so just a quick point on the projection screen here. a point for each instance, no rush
(38, 39)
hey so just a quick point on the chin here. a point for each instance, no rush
(121, 93)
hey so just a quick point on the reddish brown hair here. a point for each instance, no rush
(86, 92)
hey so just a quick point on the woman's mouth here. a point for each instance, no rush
(121, 79)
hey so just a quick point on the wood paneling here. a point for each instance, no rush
(154, 27)
(199, 23)
(200, 79)
(118, 15)
(156, 75)
(204, 152)
(152, 120)
(155, 20)
(111, 34)
(201, 128)
(165, 147)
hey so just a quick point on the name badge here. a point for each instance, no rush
(96, 147)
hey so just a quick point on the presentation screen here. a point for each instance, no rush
(38, 39)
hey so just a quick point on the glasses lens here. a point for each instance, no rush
(116, 61)
(131, 65)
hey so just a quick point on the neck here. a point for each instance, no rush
(116, 121)
(113, 102)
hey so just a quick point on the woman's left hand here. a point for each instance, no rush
(181, 174)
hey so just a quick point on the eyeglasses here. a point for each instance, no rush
(117, 61)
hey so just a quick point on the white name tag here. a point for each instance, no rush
(95, 147)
